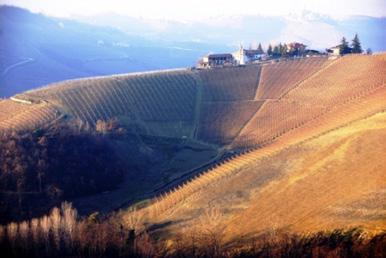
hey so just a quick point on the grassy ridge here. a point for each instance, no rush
(165, 103)
(154, 97)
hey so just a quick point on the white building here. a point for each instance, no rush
(245, 56)
(215, 60)
(335, 51)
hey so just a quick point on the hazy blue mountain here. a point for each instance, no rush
(316, 30)
(36, 50)
(230, 31)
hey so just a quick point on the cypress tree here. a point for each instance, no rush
(260, 49)
(280, 49)
(276, 51)
(269, 50)
(344, 48)
(284, 50)
(356, 45)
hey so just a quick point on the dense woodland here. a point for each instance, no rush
(46, 166)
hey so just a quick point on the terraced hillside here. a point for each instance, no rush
(322, 173)
(148, 101)
(222, 121)
(322, 180)
(15, 116)
(292, 146)
(341, 81)
(238, 106)
(280, 77)
(232, 83)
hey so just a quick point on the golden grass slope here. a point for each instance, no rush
(234, 185)
(342, 81)
(279, 77)
(334, 180)
(15, 116)
(230, 83)
(163, 96)
(184, 102)
(222, 121)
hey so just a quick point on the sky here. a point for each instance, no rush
(202, 9)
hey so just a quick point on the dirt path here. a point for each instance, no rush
(6, 70)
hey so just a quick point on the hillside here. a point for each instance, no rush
(323, 182)
(308, 176)
(284, 147)
(38, 49)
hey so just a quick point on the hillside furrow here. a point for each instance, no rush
(357, 107)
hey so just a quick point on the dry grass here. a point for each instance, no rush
(230, 84)
(299, 181)
(279, 77)
(327, 173)
(156, 97)
(222, 121)
(21, 117)
(302, 188)
(318, 164)
(343, 81)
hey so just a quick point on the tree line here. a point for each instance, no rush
(285, 50)
(282, 50)
(354, 48)
(62, 233)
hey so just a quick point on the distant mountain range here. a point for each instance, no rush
(38, 49)
(316, 30)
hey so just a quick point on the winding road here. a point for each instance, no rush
(6, 70)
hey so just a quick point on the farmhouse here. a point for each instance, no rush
(244, 56)
(213, 60)
(335, 51)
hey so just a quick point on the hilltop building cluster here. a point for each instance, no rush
(247, 56)
(291, 50)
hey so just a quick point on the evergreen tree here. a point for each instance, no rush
(276, 51)
(260, 49)
(269, 50)
(356, 45)
(344, 48)
(284, 50)
(280, 48)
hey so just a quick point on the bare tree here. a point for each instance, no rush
(45, 225)
(56, 220)
(2, 233)
(12, 231)
(68, 222)
(24, 230)
(133, 220)
(212, 231)
(35, 230)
